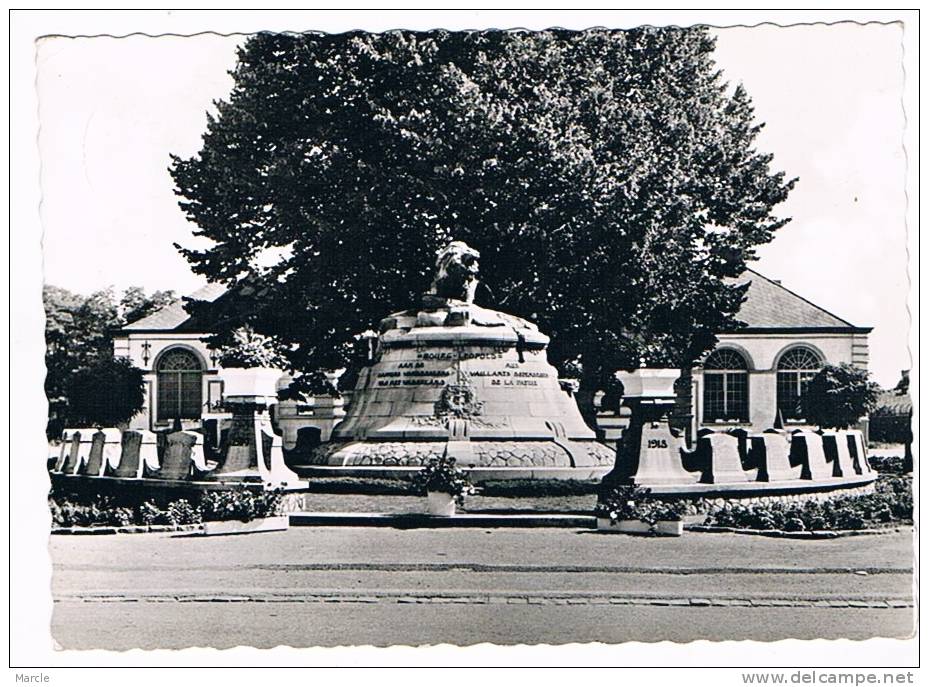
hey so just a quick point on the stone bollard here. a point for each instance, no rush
(79, 452)
(650, 453)
(771, 453)
(177, 463)
(807, 447)
(835, 446)
(64, 451)
(859, 452)
(721, 455)
(139, 453)
(104, 452)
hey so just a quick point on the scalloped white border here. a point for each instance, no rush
(30, 603)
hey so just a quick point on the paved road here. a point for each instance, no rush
(331, 586)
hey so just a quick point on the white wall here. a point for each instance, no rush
(133, 346)
(762, 352)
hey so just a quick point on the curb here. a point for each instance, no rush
(501, 598)
(129, 529)
(420, 520)
(784, 534)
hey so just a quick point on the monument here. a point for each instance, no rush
(453, 378)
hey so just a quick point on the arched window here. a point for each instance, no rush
(180, 388)
(795, 368)
(725, 387)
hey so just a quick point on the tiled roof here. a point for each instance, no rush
(768, 305)
(173, 317)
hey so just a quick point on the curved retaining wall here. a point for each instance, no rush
(775, 464)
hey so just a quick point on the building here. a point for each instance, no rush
(753, 379)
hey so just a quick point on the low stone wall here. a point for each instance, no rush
(95, 458)
(714, 504)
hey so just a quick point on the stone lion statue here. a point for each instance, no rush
(456, 272)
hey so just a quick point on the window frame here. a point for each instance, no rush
(728, 375)
(186, 396)
(794, 378)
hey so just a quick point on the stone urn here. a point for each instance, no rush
(649, 382)
(252, 384)
(440, 503)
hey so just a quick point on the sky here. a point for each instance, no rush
(111, 112)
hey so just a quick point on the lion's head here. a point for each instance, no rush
(456, 272)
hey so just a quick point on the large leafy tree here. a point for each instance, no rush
(608, 178)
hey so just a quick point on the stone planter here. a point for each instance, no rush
(440, 503)
(670, 528)
(251, 384)
(649, 382)
(272, 524)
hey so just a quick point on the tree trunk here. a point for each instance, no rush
(585, 401)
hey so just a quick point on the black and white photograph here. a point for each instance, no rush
(474, 329)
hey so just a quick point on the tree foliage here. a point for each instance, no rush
(105, 394)
(136, 304)
(838, 396)
(78, 336)
(608, 178)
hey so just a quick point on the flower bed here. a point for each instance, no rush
(634, 509)
(110, 511)
(891, 503)
(887, 465)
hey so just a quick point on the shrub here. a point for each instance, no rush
(120, 511)
(838, 396)
(240, 505)
(107, 394)
(119, 516)
(181, 512)
(148, 514)
(890, 429)
(636, 503)
(892, 465)
(891, 501)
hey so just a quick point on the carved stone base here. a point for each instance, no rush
(589, 458)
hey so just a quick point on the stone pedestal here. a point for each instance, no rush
(457, 379)
(649, 452)
(253, 452)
